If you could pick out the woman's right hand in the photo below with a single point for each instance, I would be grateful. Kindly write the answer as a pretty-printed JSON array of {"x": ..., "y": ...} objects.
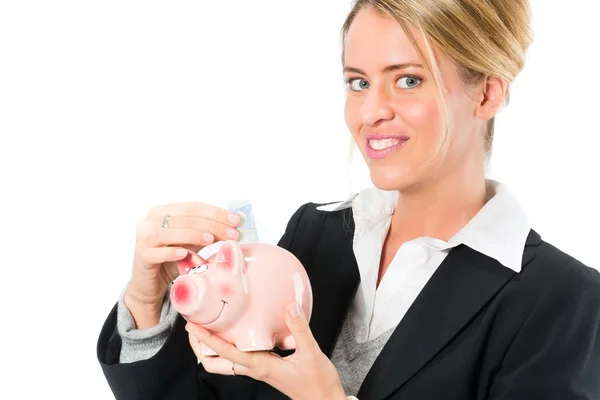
[{"x": 191, "y": 227}]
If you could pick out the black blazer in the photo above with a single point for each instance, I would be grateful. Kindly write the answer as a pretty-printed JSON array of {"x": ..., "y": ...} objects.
[{"x": 478, "y": 330}]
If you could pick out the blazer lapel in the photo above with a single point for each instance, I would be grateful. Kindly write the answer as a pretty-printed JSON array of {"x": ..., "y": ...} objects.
[
  {"x": 464, "y": 282},
  {"x": 335, "y": 278}
]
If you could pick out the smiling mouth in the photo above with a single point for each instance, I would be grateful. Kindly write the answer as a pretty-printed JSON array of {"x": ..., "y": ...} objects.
[
  {"x": 220, "y": 312},
  {"x": 378, "y": 149}
]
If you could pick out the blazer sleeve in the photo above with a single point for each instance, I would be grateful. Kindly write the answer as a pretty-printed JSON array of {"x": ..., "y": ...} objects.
[
  {"x": 174, "y": 372},
  {"x": 556, "y": 353}
]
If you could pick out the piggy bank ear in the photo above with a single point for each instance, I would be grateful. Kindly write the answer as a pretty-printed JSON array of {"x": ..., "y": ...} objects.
[
  {"x": 230, "y": 256},
  {"x": 192, "y": 260}
]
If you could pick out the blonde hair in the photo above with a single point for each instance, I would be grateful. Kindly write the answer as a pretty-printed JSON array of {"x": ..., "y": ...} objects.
[{"x": 481, "y": 37}]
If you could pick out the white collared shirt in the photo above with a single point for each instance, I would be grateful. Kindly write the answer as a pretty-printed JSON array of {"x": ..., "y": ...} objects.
[{"x": 499, "y": 230}]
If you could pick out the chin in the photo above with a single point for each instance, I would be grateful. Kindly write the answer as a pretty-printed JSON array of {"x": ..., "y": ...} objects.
[
  {"x": 396, "y": 177},
  {"x": 389, "y": 181}
]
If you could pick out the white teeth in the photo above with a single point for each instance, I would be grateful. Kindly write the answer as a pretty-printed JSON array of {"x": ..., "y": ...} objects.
[{"x": 380, "y": 144}]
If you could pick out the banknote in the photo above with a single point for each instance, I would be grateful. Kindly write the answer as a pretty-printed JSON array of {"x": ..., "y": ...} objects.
[{"x": 247, "y": 228}]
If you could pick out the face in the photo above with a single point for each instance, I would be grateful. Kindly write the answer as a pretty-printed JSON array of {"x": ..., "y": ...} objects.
[
  {"x": 391, "y": 107},
  {"x": 214, "y": 294}
]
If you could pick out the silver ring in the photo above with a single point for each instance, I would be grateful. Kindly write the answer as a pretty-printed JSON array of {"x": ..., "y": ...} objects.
[
  {"x": 165, "y": 223},
  {"x": 232, "y": 368}
]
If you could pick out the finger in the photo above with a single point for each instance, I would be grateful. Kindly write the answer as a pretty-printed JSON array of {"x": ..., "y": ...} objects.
[
  {"x": 216, "y": 364},
  {"x": 223, "y": 348},
  {"x": 223, "y": 366},
  {"x": 196, "y": 209},
  {"x": 259, "y": 365},
  {"x": 151, "y": 231},
  {"x": 220, "y": 230},
  {"x": 163, "y": 254},
  {"x": 179, "y": 237},
  {"x": 297, "y": 323}
]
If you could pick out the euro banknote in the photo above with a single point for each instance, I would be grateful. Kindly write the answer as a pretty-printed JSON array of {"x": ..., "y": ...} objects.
[{"x": 247, "y": 227}]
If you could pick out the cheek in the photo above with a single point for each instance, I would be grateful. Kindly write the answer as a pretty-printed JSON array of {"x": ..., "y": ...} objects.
[
  {"x": 422, "y": 117},
  {"x": 225, "y": 291},
  {"x": 351, "y": 116}
]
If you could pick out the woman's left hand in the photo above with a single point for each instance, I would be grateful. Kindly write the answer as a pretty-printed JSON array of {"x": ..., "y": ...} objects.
[{"x": 306, "y": 374}]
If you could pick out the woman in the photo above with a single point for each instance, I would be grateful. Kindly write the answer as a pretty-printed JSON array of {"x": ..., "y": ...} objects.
[{"x": 431, "y": 285}]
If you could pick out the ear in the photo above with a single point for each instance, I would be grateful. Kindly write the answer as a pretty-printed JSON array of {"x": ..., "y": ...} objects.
[
  {"x": 491, "y": 96},
  {"x": 230, "y": 256},
  {"x": 192, "y": 260}
]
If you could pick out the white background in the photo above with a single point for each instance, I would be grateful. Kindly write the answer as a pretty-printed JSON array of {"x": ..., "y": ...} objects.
[{"x": 110, "y": 107}]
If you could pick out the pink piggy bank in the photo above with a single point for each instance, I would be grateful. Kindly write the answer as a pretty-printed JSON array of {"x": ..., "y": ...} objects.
[{"x": 241, "y": 295}]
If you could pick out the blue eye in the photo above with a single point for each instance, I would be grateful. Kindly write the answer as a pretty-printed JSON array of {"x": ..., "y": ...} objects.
[
  {"x": 362, "y": 84},
  {"x": 411, "y": 81}
]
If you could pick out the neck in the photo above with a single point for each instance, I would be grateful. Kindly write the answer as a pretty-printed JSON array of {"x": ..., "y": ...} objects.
[{"x": 438, "y": 208}]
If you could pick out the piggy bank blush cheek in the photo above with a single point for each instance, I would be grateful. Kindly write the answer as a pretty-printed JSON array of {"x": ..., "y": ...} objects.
[
  {"x": 232, "y": 294},
  {"x": 225, "y": 291}
]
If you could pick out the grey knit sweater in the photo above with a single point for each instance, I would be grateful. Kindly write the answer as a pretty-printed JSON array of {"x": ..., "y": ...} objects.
[
  {"x": 352, "y": 360},
  {"x": 141, "y": 344}
]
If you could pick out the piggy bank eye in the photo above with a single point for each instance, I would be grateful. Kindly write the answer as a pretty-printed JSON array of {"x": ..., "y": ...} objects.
[{"x": 199, "y": 268}]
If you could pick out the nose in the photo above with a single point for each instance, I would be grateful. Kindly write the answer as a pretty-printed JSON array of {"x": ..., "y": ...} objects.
[
  {"x": 188, "y": 291},
  {"x": 376, "y": 107},
  {"x": 183, "y": 292}
]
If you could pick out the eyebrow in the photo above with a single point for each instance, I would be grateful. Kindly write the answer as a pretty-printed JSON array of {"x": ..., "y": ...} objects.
[{"x": 389, "y": 68}]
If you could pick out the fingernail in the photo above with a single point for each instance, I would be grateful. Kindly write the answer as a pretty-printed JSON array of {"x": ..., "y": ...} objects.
[
  {"x": 295, "y": 311},
  {"x": 181, "y": 252},
  {"x": 190, "y": 331},
  {"x": 207, "y": 237},
  {"x": 234, "y": 219},
  {"x": 233, "y": 233}
]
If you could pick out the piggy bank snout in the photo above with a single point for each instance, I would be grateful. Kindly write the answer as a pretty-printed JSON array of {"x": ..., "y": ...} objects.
[
  {"x": 188, "y": 290},
  {"x": 195, "y": 298},
  {"x": 183, "y": 292}
]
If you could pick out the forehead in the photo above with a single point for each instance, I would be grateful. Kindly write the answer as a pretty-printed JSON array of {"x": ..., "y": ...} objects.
[
  {"x": 376, "y": 39},
  {"x": 373, "y": 38}
]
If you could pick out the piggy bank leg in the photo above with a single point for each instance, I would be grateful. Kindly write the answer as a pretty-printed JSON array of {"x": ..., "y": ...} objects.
[
  {"x": 257, "y": 342},
  {"x": 288, "y": 343},
  {"x": 207, "y": 351}
]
